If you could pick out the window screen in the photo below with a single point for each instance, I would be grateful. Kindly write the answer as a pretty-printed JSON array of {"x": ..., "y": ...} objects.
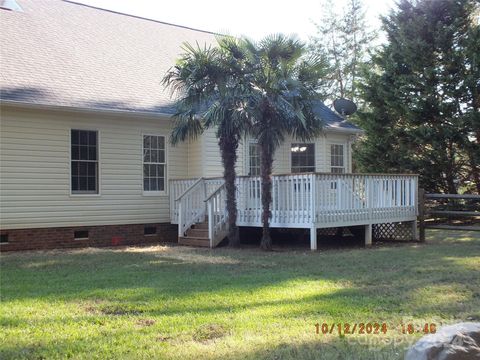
[
  {"x": 84, "y": 162},
  {"x": 337, "y": 161},
  {"x": 303, "y": 158},
  {"x": 154, "y": 163}
]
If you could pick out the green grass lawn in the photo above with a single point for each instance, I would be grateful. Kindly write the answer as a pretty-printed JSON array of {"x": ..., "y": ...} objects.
[{"x": 183, "y": 303}]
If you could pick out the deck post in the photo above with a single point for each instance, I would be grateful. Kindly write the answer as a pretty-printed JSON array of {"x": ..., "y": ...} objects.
[
  {"x": 421, "y": 213},
  {"x": 210, "y": 219},
  {"x": 414, "y": 230},
  {"x": 313, "y": 238},
  {"x": 368, "y": 235},
  {"x": 180, "y": 218},
  {"x": 204, "y": 197}
]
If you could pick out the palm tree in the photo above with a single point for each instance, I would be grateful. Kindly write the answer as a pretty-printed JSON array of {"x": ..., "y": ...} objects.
[
  {"x": 283, "y": 83},
  {"x": 209, "y": 95}
]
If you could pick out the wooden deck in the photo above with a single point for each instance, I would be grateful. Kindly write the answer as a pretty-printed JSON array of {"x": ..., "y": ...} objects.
[{"x": 310, "y": 201}]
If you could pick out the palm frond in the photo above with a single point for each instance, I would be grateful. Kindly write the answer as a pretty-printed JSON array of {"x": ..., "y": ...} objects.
[{"x": 186, "y": 126}]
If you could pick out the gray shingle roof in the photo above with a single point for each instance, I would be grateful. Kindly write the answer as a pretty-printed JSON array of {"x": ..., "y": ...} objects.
[
  {"x": 66, "y": 54},
  {"x": 332, "y": 119}
]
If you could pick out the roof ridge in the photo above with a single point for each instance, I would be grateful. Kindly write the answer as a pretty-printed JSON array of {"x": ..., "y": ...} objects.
[{"x": 140, "y": 17}]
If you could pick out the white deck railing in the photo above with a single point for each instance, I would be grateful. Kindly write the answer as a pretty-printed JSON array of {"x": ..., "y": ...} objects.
[
  {"x": 191, "y": 206},
  {"x": 217, "y": 216},
  {"x": 320, "y": 200}
]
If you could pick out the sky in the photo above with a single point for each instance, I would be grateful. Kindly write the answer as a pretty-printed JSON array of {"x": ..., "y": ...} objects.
[{"x": 252, "y": 18}]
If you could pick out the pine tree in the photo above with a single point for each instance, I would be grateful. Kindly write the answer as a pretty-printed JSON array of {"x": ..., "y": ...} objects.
[
  {"x": 342, "y": 39},
  {"x": 422, "y": 90}
]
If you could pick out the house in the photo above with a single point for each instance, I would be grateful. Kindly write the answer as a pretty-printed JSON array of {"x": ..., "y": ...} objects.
[{"x": 84, "y": 151}]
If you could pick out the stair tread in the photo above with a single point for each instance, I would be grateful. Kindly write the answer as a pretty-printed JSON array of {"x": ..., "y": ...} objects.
[
  {"x": 185, "y": 240},
  {"x": 198, "y": 238}
]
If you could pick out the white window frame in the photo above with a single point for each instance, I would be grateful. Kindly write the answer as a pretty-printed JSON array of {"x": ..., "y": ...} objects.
[
  {"x": 99, "y": 162},
  {"x": 251, "y": 142},
  {"x": 164, "y": 192},
  {"x": 314, "y": 156},
  {"x": 344, "y": 167}
]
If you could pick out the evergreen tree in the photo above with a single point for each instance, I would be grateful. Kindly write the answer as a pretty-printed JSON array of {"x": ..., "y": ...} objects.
[{"x": 422, "y": 91}]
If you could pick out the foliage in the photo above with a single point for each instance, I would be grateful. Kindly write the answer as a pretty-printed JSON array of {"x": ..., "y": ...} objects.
[
  {"x": 170, "y": 302},
  {"x": 342, "y": 40},
  {"x": 422, "y": 89},
  {"x": 282, "y": 83},
  {"x": 266, "y": 89},
  {"x": 210, "y": 95}
]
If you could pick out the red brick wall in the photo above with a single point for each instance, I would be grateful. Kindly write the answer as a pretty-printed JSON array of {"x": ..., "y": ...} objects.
[{"x": 105, "y": 235}]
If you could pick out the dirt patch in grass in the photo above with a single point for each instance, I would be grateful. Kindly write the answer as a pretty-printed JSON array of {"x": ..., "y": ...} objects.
[
  {"x": 119, "y": 310},
  {"x": 163, "y": 338},
  {"x": 145, "y": 322},
  {"x": 209, "y": 332}
]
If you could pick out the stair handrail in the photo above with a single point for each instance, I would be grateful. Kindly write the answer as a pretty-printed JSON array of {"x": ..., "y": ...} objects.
[
  {"x": 191, "y": 208},
  {"x": 215, "y": 192},
  {"x": 217, "y": 216},
  {"x": 189, "y": 188}
]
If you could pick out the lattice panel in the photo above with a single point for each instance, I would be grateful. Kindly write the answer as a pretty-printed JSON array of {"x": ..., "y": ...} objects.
[{"x": 393, "y": 231}]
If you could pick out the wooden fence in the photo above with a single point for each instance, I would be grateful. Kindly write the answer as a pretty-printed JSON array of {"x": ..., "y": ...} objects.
[{"x": 439, "y": 211}]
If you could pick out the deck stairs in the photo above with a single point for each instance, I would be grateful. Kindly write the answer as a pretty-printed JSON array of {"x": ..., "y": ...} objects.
[
  {"x": 202, "y": 216},
  {"x": 196, "y": 235}
]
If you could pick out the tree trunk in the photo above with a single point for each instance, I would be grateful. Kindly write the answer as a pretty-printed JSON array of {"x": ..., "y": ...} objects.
[
  {"x": 228, "y": 149},
  {"x": 266, "y": 172}
]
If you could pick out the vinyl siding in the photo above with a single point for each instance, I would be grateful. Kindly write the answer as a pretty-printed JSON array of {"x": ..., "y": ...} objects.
[
  {"x": 212, "y": 160},
  {"x": 205, "y": 157},
  {"x": 282, "y": 159},
  {"x": 35, "y": 170},
  {"x": 194, "y": 168}
]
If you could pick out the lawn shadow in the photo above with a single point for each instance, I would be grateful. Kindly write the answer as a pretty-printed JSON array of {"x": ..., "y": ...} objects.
[{"x": 174, "y": 275}]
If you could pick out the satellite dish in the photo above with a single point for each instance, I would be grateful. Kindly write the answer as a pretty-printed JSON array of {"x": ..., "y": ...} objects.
[
  {"x": 344, "y": 107},
  {"x": 10, "y": 5}
]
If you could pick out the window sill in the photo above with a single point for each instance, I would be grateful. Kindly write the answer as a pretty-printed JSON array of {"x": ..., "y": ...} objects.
[
  {"x": 155, "y": 193},
  {"x": 84, "y": 195}
]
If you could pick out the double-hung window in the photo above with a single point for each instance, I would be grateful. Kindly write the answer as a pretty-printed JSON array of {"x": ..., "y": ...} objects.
[
  {"x": 84, "y": 162},
  {"x": 154, "y": 163},
  {"x": 337, "y": 159},
  {"x": 303, "y": 158},
  {"x": 253, "y": 159}
]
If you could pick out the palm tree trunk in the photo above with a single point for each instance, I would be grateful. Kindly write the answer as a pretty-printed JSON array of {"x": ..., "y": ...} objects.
[
  {"x": 266, "y": 172},
  {"x": 228, "y": 149}
]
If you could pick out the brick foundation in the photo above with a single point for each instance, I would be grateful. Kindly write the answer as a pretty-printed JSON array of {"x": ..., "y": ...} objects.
[{"x": 105, "y": 235}]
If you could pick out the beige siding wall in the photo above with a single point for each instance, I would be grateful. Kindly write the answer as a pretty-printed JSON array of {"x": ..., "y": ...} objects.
[
  {"x": 204, "y": 157},
  {"x": 282, "y": 160},
  {"x": 35, "y": 170},
  {"x": 212, "y": 161},
  {"x": 195, "y": 151}
]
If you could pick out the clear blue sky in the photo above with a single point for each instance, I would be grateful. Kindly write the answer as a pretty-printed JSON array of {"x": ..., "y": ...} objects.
[{"x": 253, "y": 18}]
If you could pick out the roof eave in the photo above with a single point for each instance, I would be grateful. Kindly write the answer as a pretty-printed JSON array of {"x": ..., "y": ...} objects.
[
  {"x": 84, "y": 109},
  {"x": 329, "y": 128}
]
